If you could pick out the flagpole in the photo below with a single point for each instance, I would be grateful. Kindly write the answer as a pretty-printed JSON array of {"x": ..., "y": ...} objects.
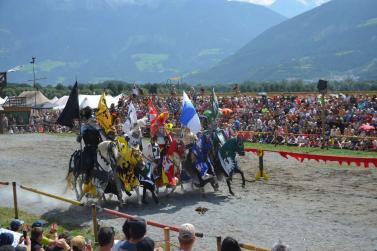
[{"x": 80, "y": 136}]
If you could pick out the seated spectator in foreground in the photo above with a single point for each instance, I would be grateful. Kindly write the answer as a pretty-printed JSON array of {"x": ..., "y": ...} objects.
[
  {"x": 146, "y": 244},
  {"x": 134, "y": 231},
  {"x": 36, "y": 239},
  {"x": 6, "y": 239},
  {"x": 7, "y": 248},
  {"x": 78, "y": 243},
  {"x": 230, "y": 244},
  {"x": 16, "y": 225},
  {"x": 106, "y": 238},
  {"x": 186, "y": 237}
]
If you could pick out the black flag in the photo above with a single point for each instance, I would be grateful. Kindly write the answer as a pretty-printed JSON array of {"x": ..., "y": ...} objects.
[
  {"x": 3, "y": 79},
  {"x": 71, "y": 110}
]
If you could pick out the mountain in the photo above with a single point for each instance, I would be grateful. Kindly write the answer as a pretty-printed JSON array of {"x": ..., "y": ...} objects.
[
  {"x": 131, "y": 40},
  {"x": 291, "y": 8},
  {"x": 336, "y": 40}
]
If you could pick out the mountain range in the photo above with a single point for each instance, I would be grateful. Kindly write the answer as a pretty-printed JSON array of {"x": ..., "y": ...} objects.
[
  {"x": 337, "y": 40},
  {"x": 132, "y": 40}
]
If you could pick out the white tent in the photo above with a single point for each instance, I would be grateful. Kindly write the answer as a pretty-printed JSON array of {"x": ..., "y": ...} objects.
[
  {"x": 87, "y": 100},
  {"x": 2, "y": 101},
  {"x": 34, "y": 98},
  {"x": 53, "y": 100}
]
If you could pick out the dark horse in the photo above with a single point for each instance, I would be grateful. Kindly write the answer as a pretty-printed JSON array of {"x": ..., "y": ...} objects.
[{"x": 223, "y": 155}]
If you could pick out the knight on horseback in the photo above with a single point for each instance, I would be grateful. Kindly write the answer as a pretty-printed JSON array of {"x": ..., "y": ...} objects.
[{"x": 90, "y": 135}]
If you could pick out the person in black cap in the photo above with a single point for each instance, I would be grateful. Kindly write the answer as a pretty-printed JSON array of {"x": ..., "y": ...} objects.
[
  {"x": 134, "y": 231},
  {"x": 16, "y": 225},
  {"x": 6, "y": 239},
  {"x": 230, "y": 244},
  {"x": 106, "y": 238}
]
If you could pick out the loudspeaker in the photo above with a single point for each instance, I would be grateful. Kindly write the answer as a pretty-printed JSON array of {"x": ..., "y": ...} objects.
[{"x": 322, "y": 85}]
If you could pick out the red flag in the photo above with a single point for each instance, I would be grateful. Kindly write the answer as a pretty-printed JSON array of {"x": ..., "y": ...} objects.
[
  {"x": 152, "y": 111},
  {"x": 152, "y": 117}
]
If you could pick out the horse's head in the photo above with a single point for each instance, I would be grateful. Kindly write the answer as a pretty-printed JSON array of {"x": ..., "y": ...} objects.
[{"x": 137, "y": 157}]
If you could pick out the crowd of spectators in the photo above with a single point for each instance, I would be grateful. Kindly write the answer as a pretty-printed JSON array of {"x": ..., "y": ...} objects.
[
  {"x": 20, "y": 237},
  {"x": 349, "y": 120}
]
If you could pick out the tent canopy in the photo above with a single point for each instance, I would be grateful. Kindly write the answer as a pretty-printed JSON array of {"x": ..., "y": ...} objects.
[{"x": 34, "y": 97}]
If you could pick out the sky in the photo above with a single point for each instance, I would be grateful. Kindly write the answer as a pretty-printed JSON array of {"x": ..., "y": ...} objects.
[{"x": 288, "y": 8}]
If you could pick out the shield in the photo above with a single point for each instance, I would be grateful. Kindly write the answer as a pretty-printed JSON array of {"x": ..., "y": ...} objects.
[{"x": 227, "y": 164}]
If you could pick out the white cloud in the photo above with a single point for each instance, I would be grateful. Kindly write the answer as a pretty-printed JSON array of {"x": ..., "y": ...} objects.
[{"x": 260, "y": 2}]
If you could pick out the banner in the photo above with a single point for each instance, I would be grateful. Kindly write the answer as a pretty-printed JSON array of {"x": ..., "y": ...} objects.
[{"x": 307, "y": 156}]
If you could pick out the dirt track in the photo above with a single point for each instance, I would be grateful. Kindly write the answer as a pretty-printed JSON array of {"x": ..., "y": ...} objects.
[{"x": 310, "y": 206}]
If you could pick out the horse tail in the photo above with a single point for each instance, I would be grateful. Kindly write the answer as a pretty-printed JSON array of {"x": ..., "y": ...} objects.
[{"x": 71, "y": 167}]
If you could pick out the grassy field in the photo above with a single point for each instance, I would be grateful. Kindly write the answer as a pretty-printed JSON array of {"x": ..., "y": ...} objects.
[
  {"x": 7, "y": 214},
  {"x": 312, "y": 150}
]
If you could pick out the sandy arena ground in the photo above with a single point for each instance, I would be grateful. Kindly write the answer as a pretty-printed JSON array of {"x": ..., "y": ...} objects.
[{"x": 310, "y": 205}]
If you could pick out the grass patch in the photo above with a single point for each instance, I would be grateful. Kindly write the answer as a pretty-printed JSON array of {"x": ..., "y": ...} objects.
[
  {"x": 312, "y": 150},
  {"x": 150, "y": 62},
  {"x": 369, "y": 22},
  {"x": 7, "y": 214}
]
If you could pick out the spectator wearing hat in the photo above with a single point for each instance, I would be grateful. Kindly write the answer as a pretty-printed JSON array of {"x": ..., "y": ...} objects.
[
  {"x": 16, "y": 225},
  {"x": 280, "y": 246},
  {"x": 106, "y": 238},
  {"x": 230, "y": 244},
  {"x": 6, "y": 239},
  {"x": 134, "y": 231},
  {"x": 186, "y": 237}
]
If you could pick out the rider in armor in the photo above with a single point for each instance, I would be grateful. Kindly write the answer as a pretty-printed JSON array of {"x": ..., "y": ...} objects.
[{"x": 90, "y": 134}]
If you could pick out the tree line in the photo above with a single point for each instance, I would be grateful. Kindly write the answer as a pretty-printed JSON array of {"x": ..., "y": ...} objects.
[{"x": 114, "y": 87}]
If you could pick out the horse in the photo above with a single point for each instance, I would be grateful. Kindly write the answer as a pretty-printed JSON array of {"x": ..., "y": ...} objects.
[
  {"x": 133, "y": 172},
  {"x": 224, "y": 157},
  {"x": 115, "y": 168},
  {"x": 197, "y": 165},
  {"x": 100, "y": 179},
  {"x": 168, "y": 171}
]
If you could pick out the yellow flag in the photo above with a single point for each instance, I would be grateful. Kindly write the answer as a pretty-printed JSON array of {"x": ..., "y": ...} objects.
[{"x": 103, "y": 115}]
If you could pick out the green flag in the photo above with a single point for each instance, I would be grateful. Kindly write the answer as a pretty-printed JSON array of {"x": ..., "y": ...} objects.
[{"x": 215, "y": 105}]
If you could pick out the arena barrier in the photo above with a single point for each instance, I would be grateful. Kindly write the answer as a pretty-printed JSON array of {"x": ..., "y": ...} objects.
[
  {"x": 307, "y": 156},
  {"x": 167, "y": 228},
  {"x": 33, "y": 190},
  {"x": 4, "y": 183},
  {"x": 15, "y": 200}
]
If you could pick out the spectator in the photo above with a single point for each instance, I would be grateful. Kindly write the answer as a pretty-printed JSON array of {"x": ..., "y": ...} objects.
[
  {"x": 36, "y": 239},
  {"x": 16, "y": 225},
  {"x": 146, "y": 244},
  {"x": 6, "y": 239},
  {"x": 106, "y": 238},
  {"x": 134, "y": 231},
  {"x": 186, "y": 237},
  {"x": 230, "y": 244},
  {"x": 7, "y": 248},
  {"x": 78, "y": 243}
]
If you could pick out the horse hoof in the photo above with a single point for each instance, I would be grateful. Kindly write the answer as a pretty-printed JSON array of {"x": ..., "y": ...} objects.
[
  {"x": 243, "y": 186},
  {"x": 231, "y": 193}
]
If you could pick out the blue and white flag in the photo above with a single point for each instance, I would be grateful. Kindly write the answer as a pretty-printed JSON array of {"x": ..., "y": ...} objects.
[{"x": 189, "y": 117}]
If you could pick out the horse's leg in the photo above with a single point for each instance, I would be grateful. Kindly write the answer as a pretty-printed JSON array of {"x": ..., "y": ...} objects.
[
  {"x": 228, "y": 182},
  {"x": 143, "y": 200},
  {"x": 138, "y": 195},
  {"x": 242, "y": 176},
  {"x": 155, "y": 198}
]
